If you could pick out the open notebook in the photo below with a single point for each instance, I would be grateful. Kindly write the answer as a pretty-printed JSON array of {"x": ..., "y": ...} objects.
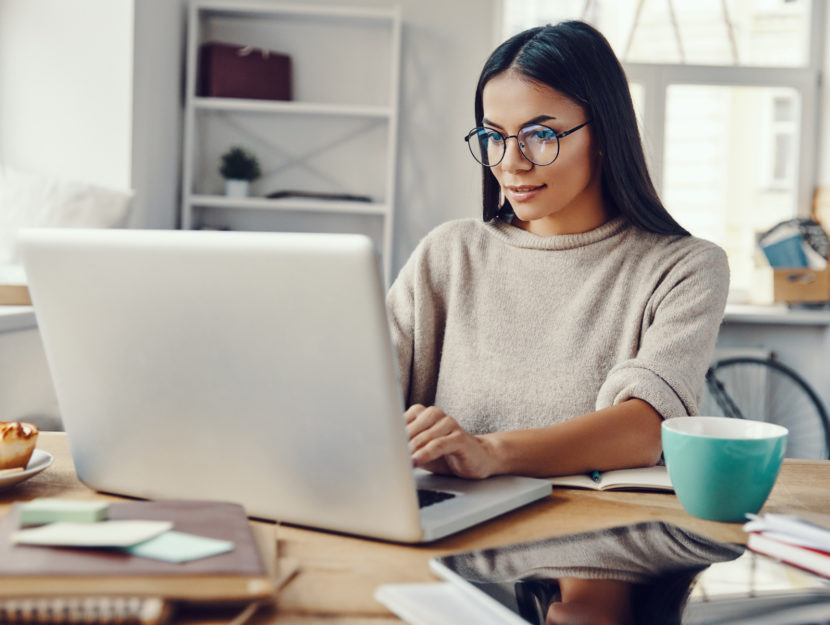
[{"x": 643, "y": 478}]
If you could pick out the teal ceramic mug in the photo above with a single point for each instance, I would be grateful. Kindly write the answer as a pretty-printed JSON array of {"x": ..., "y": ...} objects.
[{"x": 722, "y": 468}]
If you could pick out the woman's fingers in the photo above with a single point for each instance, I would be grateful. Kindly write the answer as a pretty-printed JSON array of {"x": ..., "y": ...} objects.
[
  {"x": 419, "y": 419},
  {"x": 435, "y": 428},
  {"x": 438, "y": 443},
  {"x": 413, "y": 411}
]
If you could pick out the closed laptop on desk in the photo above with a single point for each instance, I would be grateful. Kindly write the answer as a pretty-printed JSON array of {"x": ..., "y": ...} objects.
[{"x": 250, "y": 367}]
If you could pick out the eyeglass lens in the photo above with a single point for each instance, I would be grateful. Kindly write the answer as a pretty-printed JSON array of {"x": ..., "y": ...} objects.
[{"x": 538, "y": 143}]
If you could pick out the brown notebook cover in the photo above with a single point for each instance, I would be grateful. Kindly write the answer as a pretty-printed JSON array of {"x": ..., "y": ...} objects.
[{"x": 237, "y": 575}]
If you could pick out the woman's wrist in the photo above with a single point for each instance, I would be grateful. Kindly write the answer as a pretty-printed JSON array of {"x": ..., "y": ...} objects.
[{"x": 494, "y": 447}]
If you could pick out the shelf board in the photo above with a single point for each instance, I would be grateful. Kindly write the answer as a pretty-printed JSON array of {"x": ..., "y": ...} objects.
[
  {"x": 241, "y": 105},
  {"x": 779, "y": 314},
  {"x": 266, "y": 9},
  {"x": 288, "y": 204}
]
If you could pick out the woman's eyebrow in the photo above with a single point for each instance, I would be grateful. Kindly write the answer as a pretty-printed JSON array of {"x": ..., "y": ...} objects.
[{"x": 536, "y": 120}]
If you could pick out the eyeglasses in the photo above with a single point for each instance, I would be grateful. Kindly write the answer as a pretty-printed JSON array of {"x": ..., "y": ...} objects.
[{"x": 538, "y": 144}]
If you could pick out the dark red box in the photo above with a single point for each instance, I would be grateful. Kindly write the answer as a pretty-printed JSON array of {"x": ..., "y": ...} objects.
[{"x": 233, "y": 71}]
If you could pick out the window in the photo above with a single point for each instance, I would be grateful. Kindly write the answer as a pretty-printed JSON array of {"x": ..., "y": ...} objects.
[{"x": 726, "y": 92}]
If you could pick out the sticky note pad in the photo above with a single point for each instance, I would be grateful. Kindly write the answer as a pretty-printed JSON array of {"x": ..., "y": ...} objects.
[
  {"x": 102, "y": 534},
  {"x": 45, "y": 510},
  {"x": 175, "y": 546}
]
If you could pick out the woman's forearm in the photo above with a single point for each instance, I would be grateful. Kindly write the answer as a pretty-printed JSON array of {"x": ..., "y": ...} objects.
[{"x": 620, "y": 436}]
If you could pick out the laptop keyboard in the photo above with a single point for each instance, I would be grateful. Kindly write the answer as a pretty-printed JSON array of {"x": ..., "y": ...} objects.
[{"x": 429, "y": 497}]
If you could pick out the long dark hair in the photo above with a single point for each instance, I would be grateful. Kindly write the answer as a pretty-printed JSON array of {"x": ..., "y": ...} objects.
[{"x": 576, "y": 60}]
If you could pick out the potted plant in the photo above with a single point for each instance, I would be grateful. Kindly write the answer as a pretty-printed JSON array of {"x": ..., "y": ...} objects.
[{"x": 238, "y": 168}]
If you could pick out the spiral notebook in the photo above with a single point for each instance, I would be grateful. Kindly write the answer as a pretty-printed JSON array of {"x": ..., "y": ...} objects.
[{"x": 118, "y": 610}]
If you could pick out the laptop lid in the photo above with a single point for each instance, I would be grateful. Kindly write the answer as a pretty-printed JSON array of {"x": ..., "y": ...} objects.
[
  {"x": 246, "y": 366},
  {"x": 228, "y": 365}
]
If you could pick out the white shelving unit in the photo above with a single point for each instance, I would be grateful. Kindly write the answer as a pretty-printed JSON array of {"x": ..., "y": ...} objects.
[{"x": 338, "y": 135}]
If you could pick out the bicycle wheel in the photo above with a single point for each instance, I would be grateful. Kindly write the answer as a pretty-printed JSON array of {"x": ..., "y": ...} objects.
[{"x": 766, "y": 390}]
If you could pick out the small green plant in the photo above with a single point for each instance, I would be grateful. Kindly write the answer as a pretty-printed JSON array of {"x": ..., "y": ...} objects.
[{"x": 239, "y": 164}]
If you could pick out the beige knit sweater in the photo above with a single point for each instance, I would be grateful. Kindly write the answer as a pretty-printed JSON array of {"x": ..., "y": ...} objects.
[{"x": 504, "y": 330}]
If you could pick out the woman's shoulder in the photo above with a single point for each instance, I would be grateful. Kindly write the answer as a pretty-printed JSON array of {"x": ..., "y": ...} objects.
[
  {"x": 441, "y": 248},
  {"x": 671, "y": 259},
  {"x": 455, "y": 229},
  {"x": 675, "y": 247},
  {"x": 448, "y": 236}
]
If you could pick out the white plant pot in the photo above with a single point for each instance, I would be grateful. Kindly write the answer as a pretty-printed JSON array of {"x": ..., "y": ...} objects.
[{"x": 237, "y": 188}]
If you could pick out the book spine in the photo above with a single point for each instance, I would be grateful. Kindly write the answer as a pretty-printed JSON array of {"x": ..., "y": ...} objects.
[{"x": 810, "y": 560}]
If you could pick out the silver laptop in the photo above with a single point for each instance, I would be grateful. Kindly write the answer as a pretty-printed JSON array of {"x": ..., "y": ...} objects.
[{"x": 242, "y": 366}]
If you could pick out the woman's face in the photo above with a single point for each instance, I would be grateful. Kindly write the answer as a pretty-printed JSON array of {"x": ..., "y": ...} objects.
[{"x": 565, "y": 196}]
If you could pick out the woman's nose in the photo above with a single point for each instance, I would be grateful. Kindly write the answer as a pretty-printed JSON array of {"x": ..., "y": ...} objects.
[{"x": 514, "y": 159}]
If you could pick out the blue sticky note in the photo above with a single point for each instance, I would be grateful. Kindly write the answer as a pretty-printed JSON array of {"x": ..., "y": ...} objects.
[{"x": 172, "y": 546}]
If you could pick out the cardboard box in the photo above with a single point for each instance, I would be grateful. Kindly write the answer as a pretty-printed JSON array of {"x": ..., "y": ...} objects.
[
  {"x": 233, "y": 71},
  {"x": 801, "y": 285}
]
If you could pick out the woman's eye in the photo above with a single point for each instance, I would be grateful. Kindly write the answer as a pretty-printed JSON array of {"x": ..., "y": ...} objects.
[
  {"x": 543, "y": 134},
  {"x": 495, "y": 138}
]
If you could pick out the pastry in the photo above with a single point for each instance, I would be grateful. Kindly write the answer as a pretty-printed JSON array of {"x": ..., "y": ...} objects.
[{"x": 17, "y": 442}]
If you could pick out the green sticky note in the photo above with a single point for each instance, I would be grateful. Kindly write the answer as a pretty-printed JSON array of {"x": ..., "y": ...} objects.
[
  {"x": 45, "y": 510},
  {"x": 172, "y": 546}
]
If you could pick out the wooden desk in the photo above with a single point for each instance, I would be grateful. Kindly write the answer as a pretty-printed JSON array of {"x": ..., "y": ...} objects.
[{"x": 338, "y": 574}]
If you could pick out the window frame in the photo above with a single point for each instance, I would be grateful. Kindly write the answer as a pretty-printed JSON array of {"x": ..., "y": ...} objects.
[{"x": 655, "y": 79}]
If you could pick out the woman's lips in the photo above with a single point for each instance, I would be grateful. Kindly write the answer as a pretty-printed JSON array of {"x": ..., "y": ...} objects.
[{"x": 523, "y": 193}]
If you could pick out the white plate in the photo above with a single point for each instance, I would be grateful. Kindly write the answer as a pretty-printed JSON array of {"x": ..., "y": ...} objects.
[{"x": 38, "y": 462}]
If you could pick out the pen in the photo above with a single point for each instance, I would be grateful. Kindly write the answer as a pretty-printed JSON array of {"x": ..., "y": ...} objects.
[{"x": 595, "y": 475}]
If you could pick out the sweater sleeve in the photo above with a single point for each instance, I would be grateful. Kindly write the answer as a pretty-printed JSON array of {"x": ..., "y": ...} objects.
[
  {"x": 400, "y": 310},
  {"x": 416, "y": 323},
  {"x": 680, "y": 326}
]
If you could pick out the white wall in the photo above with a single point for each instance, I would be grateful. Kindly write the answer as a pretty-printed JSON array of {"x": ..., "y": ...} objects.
[
  {"x": 824, "y": 112},
  {"x": 158, "y": 101},
  {"x": 90, "y": 90},
  {"x": 66, "y": 88},
  {"x": 445, "y": 45}
]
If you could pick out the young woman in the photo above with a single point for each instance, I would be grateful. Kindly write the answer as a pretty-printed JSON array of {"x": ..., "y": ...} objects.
[{"x": 553, "y": 336}]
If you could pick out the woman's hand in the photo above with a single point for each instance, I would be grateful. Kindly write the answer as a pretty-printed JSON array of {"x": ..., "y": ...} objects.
[{"x": 440, "y": 445}]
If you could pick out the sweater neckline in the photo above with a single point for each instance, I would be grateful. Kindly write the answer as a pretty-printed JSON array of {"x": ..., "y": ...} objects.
[{"x": 518, "y": 237}]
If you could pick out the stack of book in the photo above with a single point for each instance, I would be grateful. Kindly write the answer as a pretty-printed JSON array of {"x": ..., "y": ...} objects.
[
  {"x": 797, "y": 541},
  {"x": 53, "y": 570}
]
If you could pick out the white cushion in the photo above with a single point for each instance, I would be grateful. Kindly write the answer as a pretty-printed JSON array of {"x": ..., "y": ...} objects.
[{"x": 29, "y": 199}]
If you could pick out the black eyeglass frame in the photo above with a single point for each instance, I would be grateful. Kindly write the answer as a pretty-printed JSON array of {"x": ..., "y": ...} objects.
[{"x": 558, "y": 136}]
